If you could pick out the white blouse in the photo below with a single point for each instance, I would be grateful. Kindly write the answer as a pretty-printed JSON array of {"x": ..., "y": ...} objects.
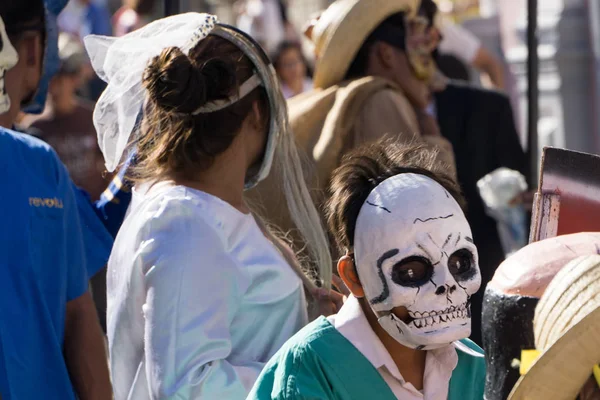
[{"x": 198, "y": 298}]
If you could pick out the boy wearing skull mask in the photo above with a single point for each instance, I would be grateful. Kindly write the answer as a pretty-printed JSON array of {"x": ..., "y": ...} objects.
[{"x": 411, "y": 266}]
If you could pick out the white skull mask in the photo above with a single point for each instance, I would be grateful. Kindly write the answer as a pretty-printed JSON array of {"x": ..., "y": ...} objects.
[
  {"x": 8, "y": 59},
  {"x": 413, "y": 248}
]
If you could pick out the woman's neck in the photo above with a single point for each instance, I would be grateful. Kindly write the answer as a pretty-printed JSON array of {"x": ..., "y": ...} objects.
[
  {"x": 224, "y": 179},
  {"x": 410, "y": 362}
]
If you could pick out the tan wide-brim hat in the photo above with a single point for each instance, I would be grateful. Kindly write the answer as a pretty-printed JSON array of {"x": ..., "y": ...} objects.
[
  {"x": 342, "y": 29},
  {"x": 567, "y": 332}
]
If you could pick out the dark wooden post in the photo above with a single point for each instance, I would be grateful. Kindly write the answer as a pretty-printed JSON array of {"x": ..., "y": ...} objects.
[{"x": 532, "y": 91}]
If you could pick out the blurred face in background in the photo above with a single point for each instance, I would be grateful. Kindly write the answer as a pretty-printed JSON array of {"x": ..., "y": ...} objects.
[
  {"x": 63, "y": 89},
  {"x": 65, "y": 84},
  {"x": 75, "y": 69},
  {"x": 291, "y": 67}
]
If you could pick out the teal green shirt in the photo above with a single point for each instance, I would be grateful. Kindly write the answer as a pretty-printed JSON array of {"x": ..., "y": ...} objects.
[{"x": 319, "y": 363}]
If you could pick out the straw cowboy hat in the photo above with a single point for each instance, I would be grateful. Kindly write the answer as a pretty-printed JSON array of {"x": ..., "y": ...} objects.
[
  {"x": 567, "y": 333},
  {"x": 340, "y": 31}
]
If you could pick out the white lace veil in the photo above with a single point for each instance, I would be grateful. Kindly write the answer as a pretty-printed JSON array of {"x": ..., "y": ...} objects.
[{"x": 121, "y": 61}]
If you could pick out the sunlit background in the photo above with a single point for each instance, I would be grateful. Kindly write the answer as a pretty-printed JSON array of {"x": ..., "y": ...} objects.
[{"x": 569, "y": 51}]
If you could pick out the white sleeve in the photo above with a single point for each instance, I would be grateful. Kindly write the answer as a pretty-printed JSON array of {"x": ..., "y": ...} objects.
[
  {"x": 459, "y": 42},
  {"x": 193, "y": 290}
]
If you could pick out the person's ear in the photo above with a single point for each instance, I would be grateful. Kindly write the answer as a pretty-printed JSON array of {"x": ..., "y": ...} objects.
[
  {"x": 385, "y": 54},
  {"x": 347, "y": 272},
  {"x": 256, "y": 118}
]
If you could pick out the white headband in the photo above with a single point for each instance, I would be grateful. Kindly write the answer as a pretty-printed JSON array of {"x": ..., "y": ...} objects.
[{"x": 245, "y": 89}]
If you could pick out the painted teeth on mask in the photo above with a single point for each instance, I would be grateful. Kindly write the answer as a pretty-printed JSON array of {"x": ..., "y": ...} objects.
[
  {"x": 449, "y": 310},
  {"x": 423, "y": 319}
]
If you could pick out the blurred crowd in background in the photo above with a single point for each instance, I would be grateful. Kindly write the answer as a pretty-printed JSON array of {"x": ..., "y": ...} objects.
[{"x": 67, "y": 121}]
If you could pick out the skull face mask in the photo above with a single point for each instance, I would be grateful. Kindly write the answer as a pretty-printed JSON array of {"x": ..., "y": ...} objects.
[
  {"x": 8, "y": 59},
  {"x": 413, "y": 248}
]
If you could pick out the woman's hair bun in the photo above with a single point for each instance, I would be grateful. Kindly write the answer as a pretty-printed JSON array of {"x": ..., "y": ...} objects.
[{"x": 176, "y": 83}]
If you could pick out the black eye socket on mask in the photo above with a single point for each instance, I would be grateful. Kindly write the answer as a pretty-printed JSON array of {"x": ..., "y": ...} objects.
[
  {"x": 413, "y": 271},
  {"x": 461, "y": 265}
]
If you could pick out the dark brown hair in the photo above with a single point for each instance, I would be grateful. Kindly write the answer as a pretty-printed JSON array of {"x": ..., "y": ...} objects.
[
  {"x": 391, "y": 31},
  {"x": 21, "y": 16},
  {"x": 173, "y": 141},
  {"x": 428, "y": 9},
  {"x": 365, "y": 168}
]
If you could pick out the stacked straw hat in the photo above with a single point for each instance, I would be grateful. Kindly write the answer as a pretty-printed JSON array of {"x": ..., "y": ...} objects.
[
  {"x": 342, "y": 29},
  {"x": 567, "y": 333}
]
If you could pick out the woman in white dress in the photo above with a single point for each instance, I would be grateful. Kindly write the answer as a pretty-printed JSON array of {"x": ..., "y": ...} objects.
[{"x": 199, "y": 295}]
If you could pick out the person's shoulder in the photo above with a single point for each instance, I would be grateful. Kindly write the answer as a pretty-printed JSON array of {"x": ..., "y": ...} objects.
[
  {"x": 308, "y": 344},
  {"x": 177, "y": 204},
  {"x": 386, "y": 101},
  {"x": 297, "y": 361},
  {"x": 468, "y": 378},
  {"x": 386, "y": 93},
  {"x": 19, "y": 141},
  {"x": 167, "y": 223},
  {"x": 314, "y": 335},
  {"x": 174, "y": 215},
  {"x": 469, "y": 348},
  {"x": 477, "y": 93},
  {"x": 471, "y": 359},
  {"x": 26, "y": 150},
  {"x": 384, "y": 97}
]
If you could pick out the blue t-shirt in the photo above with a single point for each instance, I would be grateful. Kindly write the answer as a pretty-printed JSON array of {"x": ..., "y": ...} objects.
[
  {"x": 43, "y": 266},
  {"x": 113, "y": 204},
  {"x": 101, "y": 220},
  {"x": 97, "y": 240}
]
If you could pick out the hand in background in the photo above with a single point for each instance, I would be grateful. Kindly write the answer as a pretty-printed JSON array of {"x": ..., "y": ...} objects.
[{"x": 428, "y": 124}]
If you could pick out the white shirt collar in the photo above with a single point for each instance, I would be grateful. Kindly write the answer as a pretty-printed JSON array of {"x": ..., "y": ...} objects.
[{"x": 352, "y": 323}]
